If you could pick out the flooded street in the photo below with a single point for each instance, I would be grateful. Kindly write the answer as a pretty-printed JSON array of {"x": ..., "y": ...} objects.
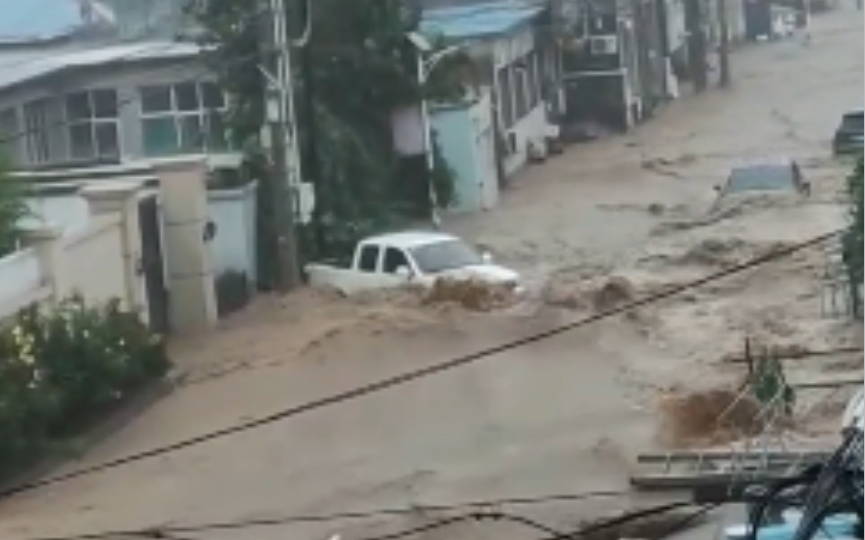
[{"x": 563, "y": 415}]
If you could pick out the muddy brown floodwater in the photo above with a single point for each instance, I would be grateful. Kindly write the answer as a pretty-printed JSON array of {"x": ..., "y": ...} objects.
[{"x": 564, "y": 415}]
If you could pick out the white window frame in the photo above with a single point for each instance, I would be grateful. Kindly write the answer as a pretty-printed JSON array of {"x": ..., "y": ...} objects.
[
  {"x": 203, "y": 113},
  {"x": 93, "y": 123},
  {"x": 36, "y": 137}
]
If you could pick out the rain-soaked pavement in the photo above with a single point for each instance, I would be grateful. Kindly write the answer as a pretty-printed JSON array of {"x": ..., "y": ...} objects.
[{"x": 562, "y": 416}]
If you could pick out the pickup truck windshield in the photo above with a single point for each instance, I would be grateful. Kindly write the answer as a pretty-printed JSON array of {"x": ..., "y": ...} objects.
[{"x": 442, "y": 256}]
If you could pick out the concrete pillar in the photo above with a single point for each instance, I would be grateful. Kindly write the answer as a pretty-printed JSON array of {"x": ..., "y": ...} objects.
[
  {"x": 191, "y": 282},
  {"x": 47, "y": 242},
  {"x": 121, "y": 198}
]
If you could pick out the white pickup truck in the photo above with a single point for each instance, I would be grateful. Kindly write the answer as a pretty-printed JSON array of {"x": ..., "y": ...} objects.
[{"x": 394, "y": 260}]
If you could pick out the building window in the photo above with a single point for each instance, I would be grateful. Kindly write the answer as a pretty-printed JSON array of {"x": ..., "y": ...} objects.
[
  {"x": 535, "y": 83},
  {"x": 36, "y": 131},
  {"x": 506, "y": 97},
  {"x": 92, "y": 124},
  {"x": 521, "y": 85},
  {"x": 182, "y": 118},
  {"x": 9, "y": 134}
]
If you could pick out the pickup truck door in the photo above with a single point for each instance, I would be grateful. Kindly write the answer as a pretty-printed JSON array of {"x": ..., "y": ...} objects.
[
  {"x": 374, "y": 267},
  {"x": 391, "y": 261}
]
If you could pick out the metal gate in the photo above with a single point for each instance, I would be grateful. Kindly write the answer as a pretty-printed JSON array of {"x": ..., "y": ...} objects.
[{"x": 152, "y": 264}]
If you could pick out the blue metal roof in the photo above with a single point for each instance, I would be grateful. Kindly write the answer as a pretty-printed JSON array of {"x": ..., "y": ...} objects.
[
  {"x": 478, "y": 20},
  {"x": 23, "y": 20}
]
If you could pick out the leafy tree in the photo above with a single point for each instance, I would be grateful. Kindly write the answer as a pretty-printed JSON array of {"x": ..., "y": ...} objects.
[
  {"x": 853, "y": 237},
  {"x": 362, "y": 67},
  {"x": 12, "y": 209}
]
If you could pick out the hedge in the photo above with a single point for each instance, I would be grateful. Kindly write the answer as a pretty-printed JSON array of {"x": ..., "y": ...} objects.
[{"x": 64, "y": 368}]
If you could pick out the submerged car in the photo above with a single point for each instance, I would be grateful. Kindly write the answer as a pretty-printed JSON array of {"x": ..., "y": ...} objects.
[
  {"x": 779, "y": 176},
  {"x": 769, "y": 175},
  {"x": 849, "y": 135}
]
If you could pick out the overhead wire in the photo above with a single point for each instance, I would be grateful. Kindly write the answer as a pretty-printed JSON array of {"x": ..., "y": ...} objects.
[
  {"x": 624, "y": 519},
  {"x": 533, "y": 524},
  {"x": 288, "y": 520},
  {"x": 422, "y": 373},
  {"x": 526, "y": 522}
]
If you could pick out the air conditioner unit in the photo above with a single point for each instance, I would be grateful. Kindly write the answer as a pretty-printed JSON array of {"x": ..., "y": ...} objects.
[{"x": 608, "y": 44}]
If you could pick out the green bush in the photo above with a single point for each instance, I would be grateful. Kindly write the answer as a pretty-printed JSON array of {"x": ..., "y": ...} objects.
[
  {"x": 13, "y": 208},
  {"x": 62, "y": 369}
]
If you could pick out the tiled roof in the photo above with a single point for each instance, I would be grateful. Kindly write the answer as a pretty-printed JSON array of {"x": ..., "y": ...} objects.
[
  {"x": 23, "y": 20},
  {"x": 478, "y": 20},
  {"x": 20, "y": 67}
]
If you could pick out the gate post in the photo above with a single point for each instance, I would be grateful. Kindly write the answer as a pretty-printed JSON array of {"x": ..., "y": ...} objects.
[
  {"x": 191, "y": 283},
  {"x": 121, "y": 198}
]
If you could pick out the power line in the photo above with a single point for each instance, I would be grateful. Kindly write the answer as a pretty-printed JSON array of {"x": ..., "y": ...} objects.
[
  {"x": 348, "y": 516},
  {"x": 440, "y": 524},
  {"x": 411, "y": 376},
  {"x": 619, "y": 521},
  {"x": 580, "y": 533},
  {"x": 529, "y": 523}
]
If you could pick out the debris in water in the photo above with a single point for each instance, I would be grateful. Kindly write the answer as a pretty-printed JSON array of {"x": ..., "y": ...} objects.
[
  {"x": 715, "y": 415},
  {"x": 471, "y": 294},
  {"x": 613, "y": 294}
]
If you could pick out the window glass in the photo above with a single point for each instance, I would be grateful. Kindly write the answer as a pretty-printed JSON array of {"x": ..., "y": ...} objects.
[
  {"x": 78, "y": 106},
  {"x": 81, "y": 141},
  {"x": 505, "y": 95},
  {"x": 9, "y": 133},
  {"x": 212, "y": 96},
  {"x": 155, "y": 99},
  {"x": 35, "y": 121},
  {"x": 534, "y": 79},
  {"x": 522, "y": 99},
  {"x": 445, "y": 255},
  {"x": 107, "y": 143},
  {"x": 191, "y": 134},
  {"x": 394, "y": 259},
  {"x": 217, "y": 134},
  {"x": 186, "y": 96},
  {"x": 104, "y": 103},
  {"x": 368, "y": 259},
  {"x": 160, "y": 136}
]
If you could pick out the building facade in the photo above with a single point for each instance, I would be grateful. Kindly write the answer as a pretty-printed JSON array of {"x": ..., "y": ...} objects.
[
  {"x": 515, "y": 65},
  {"x": 81, "y": 106}
]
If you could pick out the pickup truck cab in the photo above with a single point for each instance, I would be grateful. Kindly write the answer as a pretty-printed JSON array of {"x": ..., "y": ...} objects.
[{"x": 394, "y": 260}]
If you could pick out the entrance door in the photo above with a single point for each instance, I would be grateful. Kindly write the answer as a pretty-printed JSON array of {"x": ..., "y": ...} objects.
[{"x": 152, "y": 265}]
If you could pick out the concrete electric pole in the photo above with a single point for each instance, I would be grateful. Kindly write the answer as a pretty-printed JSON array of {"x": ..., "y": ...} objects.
[
  {"x": 282, "y": 128},
  {"x": 723, "y": 45}
]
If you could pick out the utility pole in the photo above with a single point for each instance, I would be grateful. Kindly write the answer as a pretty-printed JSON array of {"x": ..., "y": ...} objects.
[
  {"x": 723, "y": 45},
  {"x": 283, "y": 140},
  {"x": 311, "y": 163}
]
